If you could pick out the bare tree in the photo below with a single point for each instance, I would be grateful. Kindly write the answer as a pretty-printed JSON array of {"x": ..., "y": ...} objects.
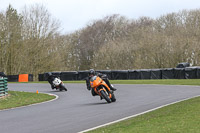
[
  {"x": 39, "y": 33},
  {"x": 11, "y": 40}
]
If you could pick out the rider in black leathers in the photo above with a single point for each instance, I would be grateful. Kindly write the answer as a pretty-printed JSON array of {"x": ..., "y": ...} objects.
[
  {"x": 51, "y": 78},
  {"x": 103, "y": 76}
]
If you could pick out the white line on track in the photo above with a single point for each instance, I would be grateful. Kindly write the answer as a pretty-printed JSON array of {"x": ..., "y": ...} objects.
[
  {"x": 35, "y": 103},
  {"x": 87, "y": 130}
]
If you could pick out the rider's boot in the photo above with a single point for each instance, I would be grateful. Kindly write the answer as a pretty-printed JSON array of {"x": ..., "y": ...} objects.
[
  {"x": 52, "y": 86},
  {"x": 101, "y": 97},
  {"x": 112, "y": 88},
  {"x": 110, "y": 85}
]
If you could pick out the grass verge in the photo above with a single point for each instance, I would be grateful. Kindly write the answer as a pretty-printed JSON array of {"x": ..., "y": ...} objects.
[
  {"x": 181, "y": 117},
  {"x": 17, "y": 99}
]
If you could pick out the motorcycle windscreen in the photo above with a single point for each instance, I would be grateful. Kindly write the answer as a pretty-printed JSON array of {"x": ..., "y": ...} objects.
[{"x": 95, "y": 81}]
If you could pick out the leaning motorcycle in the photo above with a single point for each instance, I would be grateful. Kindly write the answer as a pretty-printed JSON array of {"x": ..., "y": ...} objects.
[
  {"x": 59, "y": 85},
  {"x": 102, "y": 89}
]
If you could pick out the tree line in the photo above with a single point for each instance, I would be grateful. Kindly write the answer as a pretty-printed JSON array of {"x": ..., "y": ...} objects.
[{"x": 31, "y": 42}]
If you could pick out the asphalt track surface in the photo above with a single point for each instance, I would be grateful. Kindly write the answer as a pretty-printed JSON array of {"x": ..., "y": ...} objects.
[{"x": 77, "y": 110}]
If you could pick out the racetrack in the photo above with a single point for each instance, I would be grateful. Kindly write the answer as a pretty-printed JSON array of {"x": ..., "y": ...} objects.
[{"x": 77, "y": 110}]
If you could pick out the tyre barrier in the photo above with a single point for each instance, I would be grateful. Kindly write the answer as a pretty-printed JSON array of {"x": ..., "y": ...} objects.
[
  {"x": 164, "y": 73},
  {"x": 3, "y": 86}
]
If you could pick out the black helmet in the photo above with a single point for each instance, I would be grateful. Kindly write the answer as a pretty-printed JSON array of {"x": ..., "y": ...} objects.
[{"x": 91, "y": 72}]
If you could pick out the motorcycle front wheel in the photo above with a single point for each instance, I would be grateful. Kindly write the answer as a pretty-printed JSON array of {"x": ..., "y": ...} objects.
[
  {"x": 62, "y": 87},
  {"x": 105, "y": 96}
]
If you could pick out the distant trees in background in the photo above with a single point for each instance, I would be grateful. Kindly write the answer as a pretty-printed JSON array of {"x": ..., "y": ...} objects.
[
  {"x": 31, "y": 42},
  {"x": 116, "y": 42}
]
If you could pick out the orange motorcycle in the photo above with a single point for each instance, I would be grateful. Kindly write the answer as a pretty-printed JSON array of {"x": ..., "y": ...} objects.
[{"x": 102, "y": 89}]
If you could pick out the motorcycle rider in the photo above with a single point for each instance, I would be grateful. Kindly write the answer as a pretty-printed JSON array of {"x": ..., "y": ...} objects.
[
  {"x": 103, "y": 76},
  {"x": 51, "y": 78}
]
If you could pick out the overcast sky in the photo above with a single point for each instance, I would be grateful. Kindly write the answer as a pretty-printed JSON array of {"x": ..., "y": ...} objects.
[{"x": 76, "y": 14}]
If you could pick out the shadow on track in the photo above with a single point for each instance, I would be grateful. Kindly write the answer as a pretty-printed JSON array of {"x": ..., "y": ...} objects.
[
  {"x": 54, "y": 91},
  {"x": 92, "y": 104}
]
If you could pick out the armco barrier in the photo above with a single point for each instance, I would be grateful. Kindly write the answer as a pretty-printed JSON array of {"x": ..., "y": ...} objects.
[
  {"x": 191, "y": 73},
  {"x": 145, "y": 73},
  {"x": 107, "y": 72},
  {"x": 82, "y": 75},
  {"x": 167, "y": 73},
  {"x": 3, "y": 86},
  {"x": 69, "y": 75},
  {"x": 164, "y": 73},
  {"x": 179, "y": 73},
  {"x": 156, "y": 74},
  {"x": 13, "y": 78},
  {"x": 198, "y": 73},
  {"x": 134, "y": 74},
  {"x": 119, "y": 74}
]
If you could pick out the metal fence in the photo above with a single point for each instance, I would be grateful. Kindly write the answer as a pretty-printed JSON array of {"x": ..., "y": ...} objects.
[{"x": 3, "y": 86}]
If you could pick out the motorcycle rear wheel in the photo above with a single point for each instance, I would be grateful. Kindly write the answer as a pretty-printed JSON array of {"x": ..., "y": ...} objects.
[{"x": 113, "y": 99}]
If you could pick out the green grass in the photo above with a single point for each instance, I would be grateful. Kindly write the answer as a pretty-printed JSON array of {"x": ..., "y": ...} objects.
[
  {"x": 183, "y": 117},
  {"x": 17, "y": 99}
]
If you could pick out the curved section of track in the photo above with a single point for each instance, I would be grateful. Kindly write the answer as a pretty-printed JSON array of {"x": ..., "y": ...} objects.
[{"x": 77, "y": 110}]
